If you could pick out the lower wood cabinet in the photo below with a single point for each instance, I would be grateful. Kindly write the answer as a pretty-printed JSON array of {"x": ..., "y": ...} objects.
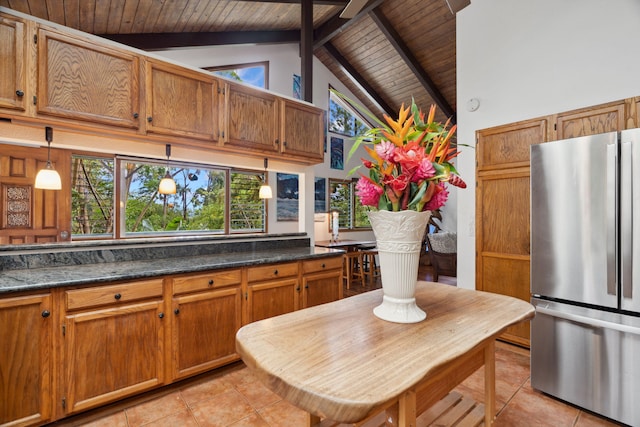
[
  {"x": 113, "y": 341},
  {"x": 206, "y": 314},
  {"x": 26, "y": 325},
  {"x": 71, "y": 349},
  {"x": 271, "y": 290},
  {"x": 319, "y": 278}
]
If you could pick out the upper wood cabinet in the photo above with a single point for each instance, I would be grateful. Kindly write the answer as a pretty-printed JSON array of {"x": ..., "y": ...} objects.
[
  {"x": 83, "y": 80},
  {"x": 508, "y": 146},
  {"x": 26, "y": 360},
  {"x": 302, "y": 130},
  {"x": 270, "y": 125},
  {"x": 13, "y": 84},
  {"x": 181, "y": 102},
  {"x": 251, "y": 119},
  {"x": 590, "y": 121}
]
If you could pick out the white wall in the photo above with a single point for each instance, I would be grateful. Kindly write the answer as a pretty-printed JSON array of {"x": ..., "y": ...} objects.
[
  {"x": 284, "y": 61},
  {"x": 523, "y": 59}
]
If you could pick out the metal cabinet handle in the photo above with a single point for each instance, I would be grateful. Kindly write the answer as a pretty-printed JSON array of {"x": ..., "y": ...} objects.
[
  {"x": 210, "y": 282},
  {"x": 323, "y": 265},
  {"x": 46, "y": 313},
  {"x": 20, "y": 93},
  {"x": 275, "y": 272},
  {"x": 149, "y": 119},
  {"x": 176, "y": 311},
  {"x": 117, "y": 296},
  {"x": 161, "y": 315},
  {"x": 135, "y": 115}
]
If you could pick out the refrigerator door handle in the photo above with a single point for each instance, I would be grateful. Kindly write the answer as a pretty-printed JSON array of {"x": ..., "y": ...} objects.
[
  {"x": 588, "y": 321},
  {"x": 612, "y": 200},
  {"x": 626, "y": 218}
]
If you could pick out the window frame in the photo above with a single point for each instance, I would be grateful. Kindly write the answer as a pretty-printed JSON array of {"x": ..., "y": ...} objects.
[
  {"x": 119, "y": 204},
  {"x": 354, "y": 207},
  {"x": 264, "y": 64}
]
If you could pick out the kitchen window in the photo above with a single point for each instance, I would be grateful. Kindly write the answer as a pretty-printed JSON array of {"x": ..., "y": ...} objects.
[
  {"x": 208, "y": 199},
  {"x": 342, "y": 199}
]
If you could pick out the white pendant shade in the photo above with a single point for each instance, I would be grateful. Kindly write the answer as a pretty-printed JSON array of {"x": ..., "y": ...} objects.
[
  {"x": 167, "y": 185},
  {"x": 265, "y": 192},
  {"x": 48, "y": 179}
]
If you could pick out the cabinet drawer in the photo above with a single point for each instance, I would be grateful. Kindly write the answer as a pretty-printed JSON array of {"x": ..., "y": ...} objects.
[
  {"x": 272, "y": 271},
  {"x": 103, "y": 295},
  {"x": 322, "y": 264},
  {"x": 211, "y": 280}
]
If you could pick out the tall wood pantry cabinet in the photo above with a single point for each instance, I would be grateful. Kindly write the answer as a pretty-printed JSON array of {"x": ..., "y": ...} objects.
[{"x": 503, "y": 194}]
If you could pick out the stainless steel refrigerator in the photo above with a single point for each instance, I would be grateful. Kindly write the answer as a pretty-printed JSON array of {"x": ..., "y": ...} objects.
[{"x": 585, "y": 272}]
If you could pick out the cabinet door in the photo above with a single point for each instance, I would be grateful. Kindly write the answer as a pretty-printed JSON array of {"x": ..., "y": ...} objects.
[
  {"x": 112, "y": 353},
  {"x": 590, "y": 121},
  {"x": 204, "y": 330},
  {"x": 320, "y": 288},
  {"x": 302, "y": 130},
  {"x": 272, "y": 298},
  {"x": 503, "y": 240},
  {"x": 82, "y": 80},
  {"x": 13, "y": 83},
  {"x": 27, "y": 214},
  {"x": 25, "y": 360},
  {"x": 181, "y": 102},
  {"x": 251, "y": 119}
]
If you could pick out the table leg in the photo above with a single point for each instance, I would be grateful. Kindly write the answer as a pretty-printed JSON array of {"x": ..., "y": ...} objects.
[
  {"x": 489, "y": 383},
  {"x": 407, "y": 409}
]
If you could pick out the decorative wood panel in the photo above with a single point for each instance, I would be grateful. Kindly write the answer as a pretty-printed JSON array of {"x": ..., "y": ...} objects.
[{"x": 29, "y": 215}]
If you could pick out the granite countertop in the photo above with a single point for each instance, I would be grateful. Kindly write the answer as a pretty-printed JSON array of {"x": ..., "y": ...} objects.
[{"x": 49, "y": 277}]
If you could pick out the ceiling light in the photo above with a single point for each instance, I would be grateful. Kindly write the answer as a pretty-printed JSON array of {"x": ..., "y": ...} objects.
[
  {"x": 167, "y": 184},
  {"x": 265, "y": 190},
  {"x": 48, "y": 178}
]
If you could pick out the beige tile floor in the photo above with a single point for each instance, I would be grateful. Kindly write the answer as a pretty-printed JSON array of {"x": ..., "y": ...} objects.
[{"x": 233, "y": 397}]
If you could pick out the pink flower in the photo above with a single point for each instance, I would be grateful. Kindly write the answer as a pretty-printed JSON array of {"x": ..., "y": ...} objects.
[
  {"x": 368, "y": 192},
  {"x": 425, "y": 171},
  {"x": 438, "y": 199},
  {"x": 385, "y": 150},
  {"x": 409, "y": 156}
]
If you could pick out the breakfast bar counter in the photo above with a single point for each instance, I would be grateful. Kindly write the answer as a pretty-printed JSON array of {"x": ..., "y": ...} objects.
[{"x": 339, "y": 362}]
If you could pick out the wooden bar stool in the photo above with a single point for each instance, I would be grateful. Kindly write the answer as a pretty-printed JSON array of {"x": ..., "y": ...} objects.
[
  {"x": 352, "y": 270},
  {"x": 370, "y": 265}
]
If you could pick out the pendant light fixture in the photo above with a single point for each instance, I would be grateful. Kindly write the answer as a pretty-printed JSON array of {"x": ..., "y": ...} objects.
[
  {"x": 265, "y": 190},
  {"x": 48, "y": 178},
  {"x": 167, "y": 184}
]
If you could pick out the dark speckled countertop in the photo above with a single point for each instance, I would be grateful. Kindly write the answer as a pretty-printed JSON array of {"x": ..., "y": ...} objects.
[{"x": 76, "y": 268}]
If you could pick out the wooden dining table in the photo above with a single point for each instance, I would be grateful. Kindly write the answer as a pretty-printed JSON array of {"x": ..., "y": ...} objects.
[
  {"x": 346, "y": 244},
  {"x": 339, "y": 362}
]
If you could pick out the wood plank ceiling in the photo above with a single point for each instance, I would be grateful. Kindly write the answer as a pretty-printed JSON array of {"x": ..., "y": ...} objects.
[{"x": 391, "y": 51}]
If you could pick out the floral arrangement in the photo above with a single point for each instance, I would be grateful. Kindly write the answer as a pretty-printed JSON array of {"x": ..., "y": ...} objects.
[{"x": 410, "y": 162}]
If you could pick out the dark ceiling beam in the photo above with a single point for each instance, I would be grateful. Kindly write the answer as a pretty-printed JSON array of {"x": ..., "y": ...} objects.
[
  {"x": 306, "y": 50},
  {"x": 318, "y": 2},
  {"x": 359, "y": 80},
  {"x": 335, "y": 25},
  {"x": 158, "y": 41},
  {"x": 396, "y": 41}
]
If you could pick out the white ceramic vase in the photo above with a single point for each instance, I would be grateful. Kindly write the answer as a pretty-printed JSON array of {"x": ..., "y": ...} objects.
[{"x": 399, "y": 241}]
